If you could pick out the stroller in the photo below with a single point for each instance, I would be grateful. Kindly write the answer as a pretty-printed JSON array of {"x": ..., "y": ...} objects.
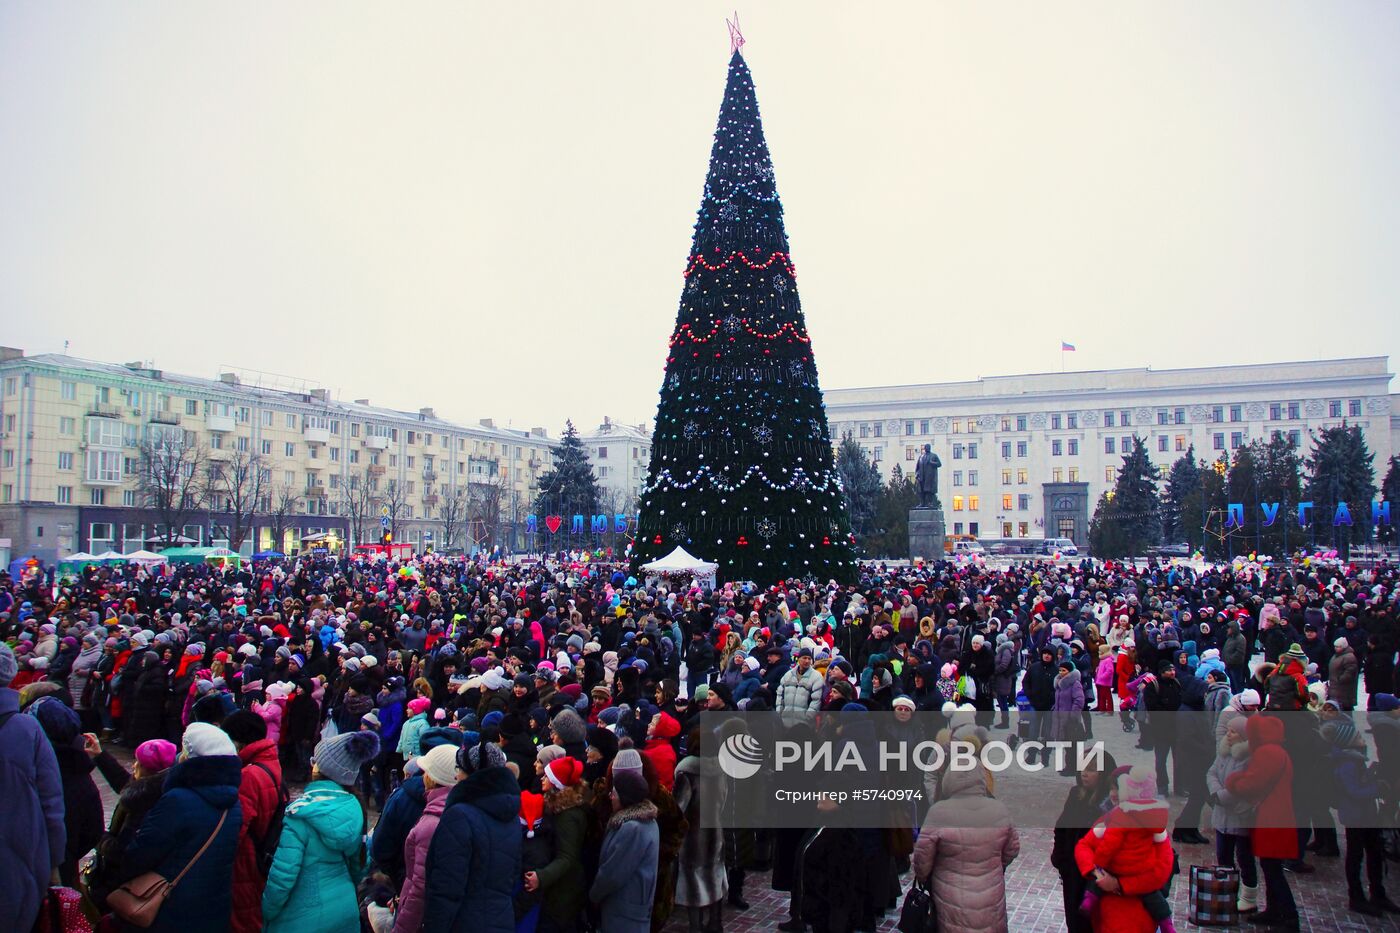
[
  {"x": 1127, "y": 713},
  {"x": 1023, "y": 720}
]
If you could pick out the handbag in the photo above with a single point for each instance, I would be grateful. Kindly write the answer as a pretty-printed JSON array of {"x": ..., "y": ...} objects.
[
  {"x": 62, "y": 912},
  {"x": 139, "y": 901},
  {"x": 1212, "y": 895},
  {"x": 919, "y": 913}
]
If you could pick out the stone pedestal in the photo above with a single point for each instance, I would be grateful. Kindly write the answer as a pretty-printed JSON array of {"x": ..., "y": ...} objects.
[{"x": 926, "y": 534}]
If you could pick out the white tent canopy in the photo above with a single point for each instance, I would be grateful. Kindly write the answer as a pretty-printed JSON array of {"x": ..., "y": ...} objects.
[
  {"x": 145, "y": 557},
  {"x": 76, "y": 558},
  {"x": 681, "y": 561},
  {"x": 109, "y": 555}
]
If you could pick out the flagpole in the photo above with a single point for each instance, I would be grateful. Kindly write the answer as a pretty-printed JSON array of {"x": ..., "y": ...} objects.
[{"x": 1062, "y": 356}]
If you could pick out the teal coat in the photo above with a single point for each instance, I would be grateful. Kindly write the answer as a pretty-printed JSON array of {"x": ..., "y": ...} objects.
[{"x": 311, "y": 888}]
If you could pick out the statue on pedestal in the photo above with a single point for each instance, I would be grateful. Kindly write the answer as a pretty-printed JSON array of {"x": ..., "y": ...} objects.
[{"x": 926, "y": 477}]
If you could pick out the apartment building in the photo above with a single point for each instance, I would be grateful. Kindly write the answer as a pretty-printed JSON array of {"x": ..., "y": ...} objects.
[
  {"x": 621, "y": 456},
  {"x": 73, "y": 431},
  {"x": 1029, "y": 455}
]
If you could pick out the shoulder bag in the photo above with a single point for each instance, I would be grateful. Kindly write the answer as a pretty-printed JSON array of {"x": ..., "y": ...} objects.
[{"x": 139, "y": 901}]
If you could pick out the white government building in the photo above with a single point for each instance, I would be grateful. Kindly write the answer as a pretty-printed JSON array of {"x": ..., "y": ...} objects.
[
  {"x": 620, "y": 455},
  {"x": 1028, "y": 456}
]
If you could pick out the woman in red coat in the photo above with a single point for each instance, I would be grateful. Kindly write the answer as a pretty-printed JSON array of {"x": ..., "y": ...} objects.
[
  {"x": 260, "y": 797},
  {"x": 1267, "y": 782}
]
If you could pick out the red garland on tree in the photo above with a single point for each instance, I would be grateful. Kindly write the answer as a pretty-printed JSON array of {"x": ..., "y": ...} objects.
[{"x": 742, "y": 467}]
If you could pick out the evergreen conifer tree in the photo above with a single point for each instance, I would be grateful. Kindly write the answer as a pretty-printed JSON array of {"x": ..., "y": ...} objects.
[
  {"x": 742, "y": 469},
  {"x": 569, "y": 488},
  {"x": 1340, "y": 469}
]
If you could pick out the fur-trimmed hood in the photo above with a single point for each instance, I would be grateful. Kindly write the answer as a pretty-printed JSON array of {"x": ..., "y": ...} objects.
[
  {"x": 641, "y": 812},
  {"x": 562, "y": 800}
]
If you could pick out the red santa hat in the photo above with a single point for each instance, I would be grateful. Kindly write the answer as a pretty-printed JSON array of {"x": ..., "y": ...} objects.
[{"x": 564, "y": 773}]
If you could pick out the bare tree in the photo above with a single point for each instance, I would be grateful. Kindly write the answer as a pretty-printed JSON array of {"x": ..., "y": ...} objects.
[
  {"x": 485, "y": 505},
  {"x": 285, "y": 503},
  {"x": 452, "y": 513},
  {"x": 358, "y": 499},
  {"x": 237, "y": 487},
  {"x": 171, "y": 482},
  {"x": 395, "y": 499}
]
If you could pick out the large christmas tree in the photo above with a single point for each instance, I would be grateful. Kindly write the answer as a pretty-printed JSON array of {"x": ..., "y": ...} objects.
[{"x": 742, "y": 469}]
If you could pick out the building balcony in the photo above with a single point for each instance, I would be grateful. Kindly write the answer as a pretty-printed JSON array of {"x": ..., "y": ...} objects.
[
  {"x": 164, "y": 417},
  {"x": 103, "y": 410},
  {"x": 429, "y": 476},
  {"x": 220, "y": 453},
  {"x": 315, "y": 492},
  {"x": 430, "y": 499},
  {"x": 375, "y": 442},
  {"x": 375, "y": 469},
  {"x": 317, "y": 435},
  {"x": 315, "y": 464},
  {"x": 222, "y": 423}
]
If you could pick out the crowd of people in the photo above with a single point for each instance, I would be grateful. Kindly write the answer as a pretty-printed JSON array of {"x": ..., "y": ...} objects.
[{"x": 443, "y": 744}]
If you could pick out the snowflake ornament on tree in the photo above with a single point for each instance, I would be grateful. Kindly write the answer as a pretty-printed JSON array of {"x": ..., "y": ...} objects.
[
  {"x": 767, "y": 528},
  {"x": 763, "y": 434}
]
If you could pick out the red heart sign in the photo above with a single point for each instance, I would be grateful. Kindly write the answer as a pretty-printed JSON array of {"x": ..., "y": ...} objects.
[{"x": 552, "y": 522}]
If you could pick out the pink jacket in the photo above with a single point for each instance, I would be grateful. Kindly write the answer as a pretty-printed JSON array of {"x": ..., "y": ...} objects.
[
  {"x": 415, "y": 863},
  {"x": 271, "y": 712},
  {"x": 1103, "y": 677}
]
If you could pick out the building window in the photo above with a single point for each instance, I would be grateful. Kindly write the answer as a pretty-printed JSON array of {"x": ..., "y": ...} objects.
[
  {"x": 957, "y": 426},
  {"x": 923, "y": 427},
  {"x": 1295, "y": 438},
  {"x": 1006, "y": 501},
  {"x": 1021, "y": 448},
  {"x": 1178, "y": 416},
  {"x": 1074, "y": 446},
  {"x": 1055, "y": 422},
  {"x": 1005, "y": 423},
  {"x": 64, "y": 496},
  {"x": 1057, "y": 475},
  {"x": 1006, "y": 477},
  {"x": 972, "y": 451},
  {"x": 1275, "y": 411},
  {"x": 971, "y": 425},
  {"x": 1056, "y": 448},
  {"x": 1108, "y": 419},
  {"x": 1236, "y": 440},
  {"x": 1022, "y": 477},
  {"x": 1072, "y": 420},
  {"x": 1006, "y": 450},
  {"x": 1161, "y": 416},
  {"x": 602, "y": 453},
  {"x": 66, "y": 426},
  {"x": 878, "y": 429},
  {"x": 910, "y": 453},
  {"x": 908, "y": 427},
  {"x": 1110, "y": 474},
  {"x": 1236, "y": 412},
  {"x": 1020, "y": 422},
  {"x": 972, "y": 529},
  {"x": 974, "y": 503},
  {"x": 957, "y": 503},
  {"x": 1293, "y": 411},
  {"x": 864, "y": 429},
  {"x": 1109, "y": 445},
  {"x": 129, "y": 498},
  {"x": 1181, "y": 443},
  {"x": 1217, "y": 440},
  {"x": 1162, "y": 444},
  {"x": 1354, "y": 408},
  {"x": 972, "y": 477},
  {"x": 957, "y": 477},
  {"x": 877, "y": 454},
  {"x": 97, "y": 497},
  {"x": 68, "y": 391},
  {"x": 957, "y": 528},
  {"x": 65, "y": 460},
  {"x": 1074, "y": 474},
  {"x": 957, "y": 451},
  {"x": 289, "y": 449},
  {"x": 266, "y": 448},
  {"x": 1217, "y": 413}
]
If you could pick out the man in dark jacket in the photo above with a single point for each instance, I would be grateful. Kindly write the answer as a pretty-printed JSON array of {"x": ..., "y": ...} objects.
[
  {"x": 1161, "y": 698},
  {"x": 474, "y": 861},
  {"x": 700, "y": 660}
]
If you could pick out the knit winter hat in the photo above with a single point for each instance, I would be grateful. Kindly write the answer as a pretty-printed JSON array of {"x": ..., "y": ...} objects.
[
  {"x": 1342, "y": 733},
  {"x": 563, "y": 773},
  {"x": 1295, "y": 653},
  {"x": 702, "y": 693},
  {"x": 9, "y": 667},
  {"x": 370, "y": 719},
  {"x": 631, "y": 786},
  {"x": 155, "y": 755},
  {"x": 548, "y": 753},
  {"x": 569, "y": 726},
  {"x": 418, "y": 705},
  {"x": 1138, "y": 787},
  {"x": 340, "y": 757},
  {"x": 478, "y": 757},
  {"x": 203, "y": 740},
  {"x": 628, "y": 759},
  {"x": 440, "y": 764}
]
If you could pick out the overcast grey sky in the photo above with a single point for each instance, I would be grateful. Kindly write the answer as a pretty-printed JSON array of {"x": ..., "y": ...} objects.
[{"x": 487, "y": 207}]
